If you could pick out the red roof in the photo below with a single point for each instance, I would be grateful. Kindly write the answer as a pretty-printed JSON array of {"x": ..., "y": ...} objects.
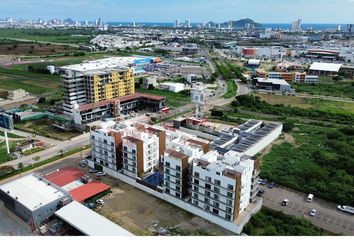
[
  {"x": 123, "y": 99},
  {"x": 88, "y": 190},
  {"x": 65, "y": 176}
]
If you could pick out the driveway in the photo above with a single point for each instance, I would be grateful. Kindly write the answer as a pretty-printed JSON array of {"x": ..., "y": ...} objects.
[{"x": 327, "y": 217}]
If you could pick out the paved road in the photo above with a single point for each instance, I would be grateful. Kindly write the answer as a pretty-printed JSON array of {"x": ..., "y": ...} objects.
[
  {"x": 76, "y": 142},
  {"x": 10, "y": 224},
  {"x": 327, "y": 217}
]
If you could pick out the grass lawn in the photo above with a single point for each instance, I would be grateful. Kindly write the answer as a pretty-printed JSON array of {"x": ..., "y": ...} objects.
[
  {"x": 173, "y": 100},
  {"x": 268, "y": 222},
  {"x": 48, "y": 35},
  {"x": 44, "y": 127},
  {"x": 327, "y": 87},
  {"x": 34, "y": 83},
  {"x": 318, "y": 160},
  {"x": 231, "y": 89},
  {"x": 10, "y": 135},
  {"x": 320, "y": 104},
  {"x": 3, "y": 154}
]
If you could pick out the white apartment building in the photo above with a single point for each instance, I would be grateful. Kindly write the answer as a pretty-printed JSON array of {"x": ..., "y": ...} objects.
[
  {"x": 140, "y": 153},
  {"x": 221, "y": 185}
]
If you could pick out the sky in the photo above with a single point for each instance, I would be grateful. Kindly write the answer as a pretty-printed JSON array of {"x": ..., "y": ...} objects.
[{"x": 262, "y": 11}]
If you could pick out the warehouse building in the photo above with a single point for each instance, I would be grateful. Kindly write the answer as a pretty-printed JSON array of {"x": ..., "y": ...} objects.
[
  {"x": 325, "y": 69},
  {"x": 275, "y": 85},
  {"x": 33, "y": 198}
]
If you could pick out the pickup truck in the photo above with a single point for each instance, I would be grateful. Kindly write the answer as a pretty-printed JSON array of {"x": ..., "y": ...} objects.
[{"x": 347, "y": 209}]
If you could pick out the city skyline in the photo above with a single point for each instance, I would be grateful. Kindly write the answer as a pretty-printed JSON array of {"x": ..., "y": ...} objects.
[{"x": 196, "y": 10}]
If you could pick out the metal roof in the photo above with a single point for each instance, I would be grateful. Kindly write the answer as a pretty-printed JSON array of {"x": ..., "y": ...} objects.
[
  {"x": 89, "y": 222},
  {"x": 329, "y": 67}
]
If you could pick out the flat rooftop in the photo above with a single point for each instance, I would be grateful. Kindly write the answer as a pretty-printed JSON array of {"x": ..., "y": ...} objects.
[
  {"x": 32, "y": 191},
  {"x": 89, "y": 222}
]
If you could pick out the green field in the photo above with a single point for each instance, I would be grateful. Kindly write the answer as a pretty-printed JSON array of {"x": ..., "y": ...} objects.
[
  {"x": 268, "y": 222},
  {"x": 231, "y": 89},
  {"x": 316, "y": 160},
  {"x": 173, "y": 100},
  {"x": 34, "y": 83},
  {"x": 10, "y": 135},
  {"x": 307, "y": 103},
  {"x": 3, "y": 154},
  {"x": 327, "y": 87},
  {"x": 49, "y": 35}
]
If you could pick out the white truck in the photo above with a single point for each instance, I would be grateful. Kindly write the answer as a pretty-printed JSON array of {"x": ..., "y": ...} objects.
[{"x": 346, "y": 209}]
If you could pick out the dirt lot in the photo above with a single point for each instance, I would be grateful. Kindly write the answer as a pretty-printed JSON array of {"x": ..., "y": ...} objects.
[
  {"x": 37, "y": 49},
  {"x": 142, "y": 213}
]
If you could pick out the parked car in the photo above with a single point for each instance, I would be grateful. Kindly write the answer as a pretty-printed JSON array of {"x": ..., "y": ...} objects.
[
  {"x": 260, "y": 192},
  {"x": 310, "y": 197},
  {"x": 101, "y": 174},
  {"x": 313, "y": 212},
  {"x": 347, "y": 209},
  {"x": 100, "y": 201},
  {"x": 263, "y": 181},
  {"x": 82, "y": 164},
  {"x": 285, "y": 202},
  {"x": 90, "y": 205},
  {"x": 271, "y": 185},
  {"x": 93, "y": 170}
]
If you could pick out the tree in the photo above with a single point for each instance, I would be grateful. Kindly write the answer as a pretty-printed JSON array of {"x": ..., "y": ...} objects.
[{"x": 20, "y": 166}]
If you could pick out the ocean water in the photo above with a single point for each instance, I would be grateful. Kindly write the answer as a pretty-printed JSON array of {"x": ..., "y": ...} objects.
[{"x": 282, "y": 26}]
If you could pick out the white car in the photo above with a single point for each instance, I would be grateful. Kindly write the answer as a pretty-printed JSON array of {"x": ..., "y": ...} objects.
[
  {"x": 100, "y": 201},
  {"x": 313, "y": 212},
  {"x": 101, "y": 174},
  {"x": 285, "y": 202}
]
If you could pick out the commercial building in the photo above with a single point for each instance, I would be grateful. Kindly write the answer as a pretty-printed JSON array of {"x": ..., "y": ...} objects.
[
  {"x": 87, "y": 113},
  {"x": 219, "y": 185},
  {"x": 296, "y": 25},
  {"x": 288, "y": 76},
  {"x": 192, "y": 78},
  {"x": 149, "y": 82},
  {"x": 274, "y": 84},
  {"x": 172, "y": 87},
  {"x": 17, "y": 94},
  {"x": 326, "y": 69},
  {"x": 33, "y": 198},
  {"x": 190, "y": 49}
]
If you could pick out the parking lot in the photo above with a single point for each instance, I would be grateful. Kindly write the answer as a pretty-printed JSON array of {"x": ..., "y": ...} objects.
[{"x": 327, "y": 217}]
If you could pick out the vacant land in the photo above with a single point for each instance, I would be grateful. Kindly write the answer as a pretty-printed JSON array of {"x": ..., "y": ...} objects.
[
  {"x": 48, "y": 35},
  {"x": 327, "y": 87},
  {"x": 320, "y": 104},
  {"x": 44, "y": 127},
  {"x": 35, "y": 83},
  {"x": 173, "y": 100},
  {"x": 268, "y": 222},
  {"x": 319, "y": 160},
  {"x": 35, "y": 49},
  {"x": 3, "y": 153},
  {"x": 142, "y": 213}
]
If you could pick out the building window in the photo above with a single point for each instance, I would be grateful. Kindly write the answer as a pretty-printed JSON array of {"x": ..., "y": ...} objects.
[
  {"x": 178, "y": 168},
  {"x": 178, "y": 175},
  {"x": 167, "y": 171},
  {"x": 215, "y": 211},
  {"x": 207, "y": 186},
  {"x": 206, "y": 200},
  {"x": 167, "y": 190},
  {"x": 125, "y": 148},
  {"x": 196, "y": 189},
  {"x": 167, "y": 184},
  {"x": 178, "y": 182},
  {"x": 228, "y": 217},
  {"x": 105, "y": 141},
  {"x": 196, "y": 174},
  {"x": 217, "y": 182},
  {"x": 216, "y": 204},
  {"x": 133, "y": 151},
  {"x": 229, "y": 210},
  {"x": 207, "y": 193},
  {"x": 178, "y": 188},
  {"x": 178, "y": 195},
  {"x": 167, "y": 164},
  {"x": 216, "y": 196},
  {"x": 196, "y": 181},
  {"x": 195, "y": 202},
  {"x": 208, "y": 179},
  {"x": 230, "y": 187},
  {"x": 93, "y": 137},
  {"x": 229, "y": 194},
  {"x": 206, "y": 207},
  {"x": 168, "y": 178},
  {"x": 112, "y": 143},
  {"x": 195, "y": 195},
  {"x": 229, "y": 202},
  {"x": 216, "y": 189}
]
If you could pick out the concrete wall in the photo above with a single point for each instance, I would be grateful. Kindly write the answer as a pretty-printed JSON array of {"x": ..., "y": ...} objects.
[{"x": 231, "y": 226}]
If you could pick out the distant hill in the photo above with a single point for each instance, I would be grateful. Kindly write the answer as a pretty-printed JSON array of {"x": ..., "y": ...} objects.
[{"x": 236, "y": 24}]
